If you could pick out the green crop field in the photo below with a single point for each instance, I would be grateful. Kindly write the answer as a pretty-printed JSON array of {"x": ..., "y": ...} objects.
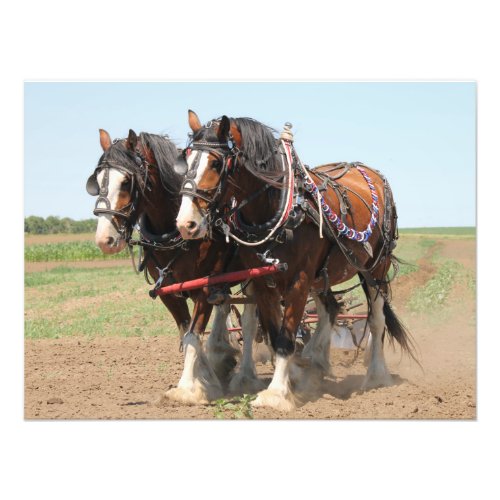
[
  {"x": 67, "y": 301},
  {"x": 67, "y": 251}
]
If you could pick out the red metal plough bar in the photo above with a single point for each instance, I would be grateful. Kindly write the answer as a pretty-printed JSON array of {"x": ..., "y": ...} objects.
[{"x": 255, "y": 272}]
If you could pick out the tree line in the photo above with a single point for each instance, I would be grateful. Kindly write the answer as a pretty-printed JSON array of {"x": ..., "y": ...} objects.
[{"x": 54, "y": 225}]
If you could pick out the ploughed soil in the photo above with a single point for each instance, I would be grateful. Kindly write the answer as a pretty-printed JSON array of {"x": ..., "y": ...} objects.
[
  {"x": 37, "y": 239},
  {"x": 124, "y": 378}
]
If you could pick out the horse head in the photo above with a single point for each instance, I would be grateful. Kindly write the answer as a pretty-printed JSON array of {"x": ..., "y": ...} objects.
[
  {"x": 204, "y": 163},
  {"x": 118, "y": 182},
  {"x": 229, "y": 166}
]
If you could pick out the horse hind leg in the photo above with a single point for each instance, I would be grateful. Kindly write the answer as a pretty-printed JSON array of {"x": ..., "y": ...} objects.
[
  {"x": 318, "y": 348},
  {"x": 377, "y": 373},
  {"x": 220, "y": 353},
  {"x": 245, "y": 381},
  {"x": 309, "y": 378}
]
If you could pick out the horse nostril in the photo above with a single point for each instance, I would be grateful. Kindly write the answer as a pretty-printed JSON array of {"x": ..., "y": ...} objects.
[
  {"x": 191, "y": 225},
  {"x": 110, "y": 241}
]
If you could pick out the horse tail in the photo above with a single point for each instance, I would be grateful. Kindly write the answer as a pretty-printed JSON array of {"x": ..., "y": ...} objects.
[{"x": 399, "y": 332}]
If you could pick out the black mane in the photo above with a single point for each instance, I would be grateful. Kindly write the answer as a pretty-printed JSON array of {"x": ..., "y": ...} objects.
[
  {"x": 164, "y": 152},
  {"x": 118, "y": 153},
  {"x": 259, "y": 145},
  {"x": 259, "y": 149}
]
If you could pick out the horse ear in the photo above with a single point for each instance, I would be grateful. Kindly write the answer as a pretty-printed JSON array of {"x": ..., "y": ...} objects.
[
  {"x": 194, "y": 121},
  {"x": 105, "y": 139},
  {"x": 131, "y": 140},
  {"x": 236, "y": 135},
  {"x": 223, "y": 129}
]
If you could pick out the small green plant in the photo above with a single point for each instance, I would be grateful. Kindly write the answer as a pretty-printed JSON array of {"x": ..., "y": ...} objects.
[
  {"x": 435, "y": 293},
  {"x": 235, "y": 408},
  {"x": 162, "y": 366}
]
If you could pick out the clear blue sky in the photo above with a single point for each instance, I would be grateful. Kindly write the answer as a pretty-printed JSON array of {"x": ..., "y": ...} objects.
[{"x": 422, "y": 136}]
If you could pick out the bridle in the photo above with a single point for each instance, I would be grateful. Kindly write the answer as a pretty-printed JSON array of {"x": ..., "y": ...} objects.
[
  {"x": 127, "y": 214},
  {"x": 223, "y": 154},
  {"x": 217, "y": 214}
]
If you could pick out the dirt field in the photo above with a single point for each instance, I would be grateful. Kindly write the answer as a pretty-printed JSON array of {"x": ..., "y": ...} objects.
[
  {"x": 36, "y": 239},
  {"x": 123, "y": 378}
]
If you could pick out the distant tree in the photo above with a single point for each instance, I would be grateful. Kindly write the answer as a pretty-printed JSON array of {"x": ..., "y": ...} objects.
[
  {"x": 53, "y": 224},
  {"x": 35, "y": 225},
  {"x": 84, "y": 226},
  {"x": 66, "y": 224}
]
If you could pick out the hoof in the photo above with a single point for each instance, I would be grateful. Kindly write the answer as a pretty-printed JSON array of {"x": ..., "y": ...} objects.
[
  {"x": 192, "y": 396},
  {"x": 242, "y": 383},
  {"x": 223, "y": 364},
  {"x": 272, "y": 398},
  {"x": 307, "y": 381},
  {"x": 376, "y": 380}
]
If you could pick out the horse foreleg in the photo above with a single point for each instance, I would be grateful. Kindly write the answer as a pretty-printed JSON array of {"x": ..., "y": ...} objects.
[
  {"x": 199, "y": 383},
  {"x": 180, "y": 312},
  {"x": 279, "y": 394},
  {"x": 220, "y": 353}
]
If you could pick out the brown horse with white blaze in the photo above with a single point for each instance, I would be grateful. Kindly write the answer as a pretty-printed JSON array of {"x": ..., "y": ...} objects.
[
  {"x": 261, "y": 196},
  {"x": 135, "y": 183}
]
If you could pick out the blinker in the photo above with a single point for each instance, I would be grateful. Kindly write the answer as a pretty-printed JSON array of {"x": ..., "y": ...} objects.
[
  {"x": 92, "y": 185},
  {"x": 180, "y": 165}
]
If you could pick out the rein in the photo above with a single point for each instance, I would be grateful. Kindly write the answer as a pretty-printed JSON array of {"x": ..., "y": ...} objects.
[{"x": 286, "y": 204}]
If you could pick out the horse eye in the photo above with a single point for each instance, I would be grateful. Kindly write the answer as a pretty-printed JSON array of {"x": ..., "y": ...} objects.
[{"x": 126, "y": 184}]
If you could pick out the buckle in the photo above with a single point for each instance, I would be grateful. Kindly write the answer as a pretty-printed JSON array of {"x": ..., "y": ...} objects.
[
  {"x": 266, "y": 257},
  {"x": 281, "y": 237}
]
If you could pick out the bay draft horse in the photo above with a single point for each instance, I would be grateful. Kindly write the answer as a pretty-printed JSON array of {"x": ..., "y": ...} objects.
[
  {"x": 135, "y": 182},
  {"x": 255, "y": 190}
]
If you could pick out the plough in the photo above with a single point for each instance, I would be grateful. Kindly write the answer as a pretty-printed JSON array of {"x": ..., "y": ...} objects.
[{"x": 349, "y": 331}]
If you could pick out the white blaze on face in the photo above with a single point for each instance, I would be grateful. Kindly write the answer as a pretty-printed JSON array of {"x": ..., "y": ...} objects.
[
  {"x": 107, "y": 237},
  {"x": 190, "y": 221}
]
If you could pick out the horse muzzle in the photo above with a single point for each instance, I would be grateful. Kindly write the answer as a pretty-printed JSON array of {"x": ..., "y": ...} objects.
[
  {"x": 110, "y": 244},
  {"x": 192, "y": 230}
]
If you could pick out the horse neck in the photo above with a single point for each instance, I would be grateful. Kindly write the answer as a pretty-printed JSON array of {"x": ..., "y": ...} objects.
[
  {"x": 261, "y": 208},
  {"x": 161, "y": 207}
]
